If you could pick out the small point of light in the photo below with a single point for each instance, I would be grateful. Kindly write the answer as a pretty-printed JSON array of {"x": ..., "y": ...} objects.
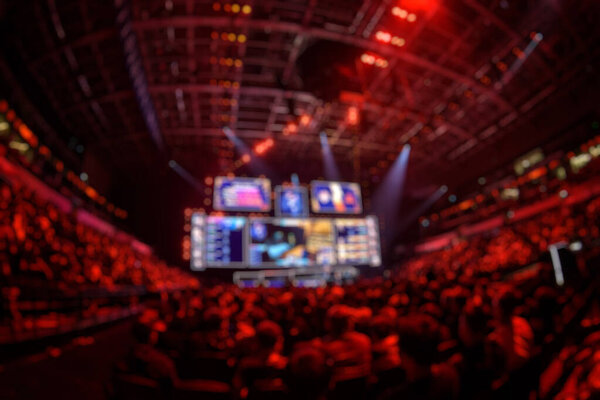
[
  {"x": 172, "y": 163},
  {"x": 576, "y": 246},
  {"x": 425, "y": 223},
  {"x": 411, "y": 17},
  {"x": 352, "y": 115},
  {"x": 367, "y": 59},
  {"x": 399, "y": 12},
  {"x": 305, "y": 120},
  {"x": 444, "y": 188},
  {"x": 398, "y": 41},
  {"x": 563, "y": 194},
  {"x": 83, "y": 176},
  {"x": 452, "y": 198},
  {"x": 292, "y": 127},
  {"x": 246, "y": 9},
  {"x": 482, "y": 180},
  {"x": 246, "y": 158},
  {"x": 381, "y": 63},
  {"x": 382, "y": 36}
]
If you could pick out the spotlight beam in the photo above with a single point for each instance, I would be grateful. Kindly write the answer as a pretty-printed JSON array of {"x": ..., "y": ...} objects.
[
  {"x": 330, "y": 168},
  {"x": 183, "y": 173},
  {"x": 388, "y": 197}
]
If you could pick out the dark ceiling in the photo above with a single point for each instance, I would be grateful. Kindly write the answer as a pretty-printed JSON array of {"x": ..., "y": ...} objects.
[{"x": 139, "y": 82}]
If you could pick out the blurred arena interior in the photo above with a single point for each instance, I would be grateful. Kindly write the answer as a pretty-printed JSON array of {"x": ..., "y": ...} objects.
[{"x": 300, "y": 199}]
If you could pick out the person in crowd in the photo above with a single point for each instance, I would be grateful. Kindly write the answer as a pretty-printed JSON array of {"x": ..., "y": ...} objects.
[
  {"x": 265, "y": 366},
  {"x": 425, "y": 378},
  {"x": 349, "y": 350},
  {"x": 309, "y": 374}
]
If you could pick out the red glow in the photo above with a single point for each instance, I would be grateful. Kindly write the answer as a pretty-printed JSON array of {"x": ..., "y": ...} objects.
[
  {"x": 262, "y": 147},
  {"x": 305, "y": 120},
  {"x": 246, "y": 158},
  {"x": 419, "y": 5},
  {"x": 371, "y": 59},
  {"x": 352, "y": 116}
]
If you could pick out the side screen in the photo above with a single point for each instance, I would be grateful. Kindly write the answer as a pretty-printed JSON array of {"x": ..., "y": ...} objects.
[
  {"x": 197, "y": 242},
  {"x": 225, "y": 237},
  {"x": 291, "y": 242},
  {"x": 242, "y": 194},
  {"x": 335, "y": 197},
  {"x": 357, "y": 241}
]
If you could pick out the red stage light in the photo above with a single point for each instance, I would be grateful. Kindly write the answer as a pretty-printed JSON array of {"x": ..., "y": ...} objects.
[
  {"x": 374, "y": 60},
  {"x": 305, "y": 120},
  {"x": 416, "y": 5},
  {"x": 352, "y": 116},
  {"x": 383, "y": 36}
]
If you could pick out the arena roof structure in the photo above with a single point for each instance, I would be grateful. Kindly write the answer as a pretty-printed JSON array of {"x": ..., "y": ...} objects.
[{"x": 470, "y": 84}]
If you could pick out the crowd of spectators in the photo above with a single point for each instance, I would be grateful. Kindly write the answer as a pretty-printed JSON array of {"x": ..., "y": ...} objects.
[
  {"x": 476, "y": 320},
  {"x": 42, "y": 248}
]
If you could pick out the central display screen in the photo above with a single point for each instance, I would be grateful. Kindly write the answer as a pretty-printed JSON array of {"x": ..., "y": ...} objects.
[
  {"x": 335, "y": 197},
  {"x": 291, "y": 242},
  {"x": 242, "y": 194},
  {"x": 264, "y": 242}
]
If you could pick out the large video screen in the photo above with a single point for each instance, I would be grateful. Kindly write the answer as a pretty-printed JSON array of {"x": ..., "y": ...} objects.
[
  {"x": 286, "y": 242},
  {"x": 357, "y": 241},
  {"x": 242, "y": 194},
  {"x": 224, "y": 241},
  {"x": 335, "y": 197},
  {"x": 291, "y": 201}
]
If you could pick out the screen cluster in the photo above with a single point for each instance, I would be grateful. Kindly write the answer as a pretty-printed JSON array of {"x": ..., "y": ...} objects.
[{"x": 291, "y": 238}]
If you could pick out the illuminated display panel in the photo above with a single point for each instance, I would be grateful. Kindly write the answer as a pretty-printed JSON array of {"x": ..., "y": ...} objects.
[
  {"x": 242, "y": 194},
  {"x": 288, "y": 242},
  {"x": 357, "y": 241},
  {"x": 197, "y": 242},
  {"x": 291, "y": 201},
  {"x": 335, "y": 197},
  {"x": 224, "y": 241}
]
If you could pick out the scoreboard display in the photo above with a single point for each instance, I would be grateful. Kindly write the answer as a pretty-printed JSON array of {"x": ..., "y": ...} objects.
[
  {"x": 335, "y": 197},
  {"x": 357, "y": 241},
  {"x": 224, "y": 241},
  {"x": 291, "y": 201},
  {"x": 291, "y": 239},
  {"x": 288, "y": 242},
  {"x": 263, "y": 242},
  {"x": 242, "y": 194}
]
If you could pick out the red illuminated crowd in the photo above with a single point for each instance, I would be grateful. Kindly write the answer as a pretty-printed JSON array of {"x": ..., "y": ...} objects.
[
  {"x": 42, "y": 248},
  {"x": 477, "y": 320},
  {"x": 481, "y": 318}
]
